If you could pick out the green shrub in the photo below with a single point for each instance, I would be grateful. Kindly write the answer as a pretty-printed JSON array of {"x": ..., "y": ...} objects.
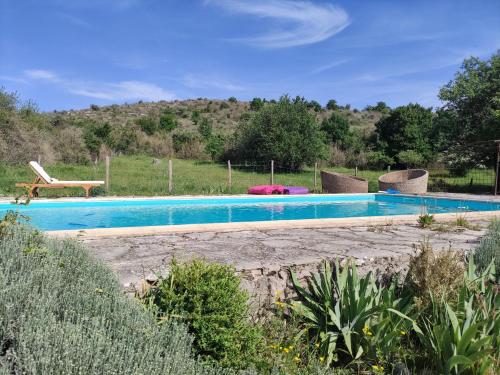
[
  {"x": 256, "y": 104},
  {"x": 410, "y": 158},
  {"x": 332, "y": 105},
  {"x": 378, "y": 160},
  {"x": 205, "y": 127},
  {"x": 148, "y": 125},
  {"x": 425, "y": 220},
  {"x": 352, "y": 318},
  {"x": 168, "y": 122},
  {"x": 464, "y": 336},
  {"x": 232, "y": 99},
  {"x": 62, "y": 312},
  {"x": 436, "y": 273},
  {"x": 214, "y": 146},
  {"x": 208, "y": 298},
  {"x": 489, "y": 249}
]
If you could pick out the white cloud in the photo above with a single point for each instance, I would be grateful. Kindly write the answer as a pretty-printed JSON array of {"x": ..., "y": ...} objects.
[
  {"x": 41, "y": 74},
  {"x": 329, "y": 66},
  {"x": 191, "y": 80},
  {"x": 113, "y": 91},
  {"x": 301, "y": 22},
  {"x": 126, "y": 90}
]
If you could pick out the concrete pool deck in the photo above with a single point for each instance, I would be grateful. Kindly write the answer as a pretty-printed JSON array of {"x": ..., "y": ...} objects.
[{"x": 263, "y": 258}]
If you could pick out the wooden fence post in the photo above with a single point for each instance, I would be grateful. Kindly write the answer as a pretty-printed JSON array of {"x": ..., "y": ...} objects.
[
  {"x": 229, "y": 176},
  {"x": 39, "y": 159},
  {"x": 497, "y": 171},
  {"x": 315, "y": 176},
  {"x": 170, "y": 173},
  {"x": 272, "y": 172},
  {"x": 388, "y": 168},
  {"x": 107, "y": 174},
  {"x": 356, "y": 171}
]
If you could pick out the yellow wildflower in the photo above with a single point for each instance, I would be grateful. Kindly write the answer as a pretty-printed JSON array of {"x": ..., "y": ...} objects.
[
  {"x": 322, "y": 359},
  {"x": 366, "y": 331},
  {"x": 316, "y": 345},
  {"x": 290, "y": 347},
  {"x": 378, "y": 368},
  {"x": 402, "y": 333},
  {"x": 273, "y": 346},
  {"x": 286, "y": 350},
  {"x": 296, "y": 359}
]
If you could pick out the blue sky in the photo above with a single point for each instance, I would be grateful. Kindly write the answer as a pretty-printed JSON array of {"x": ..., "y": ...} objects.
[{"x": 72, "y": 53}]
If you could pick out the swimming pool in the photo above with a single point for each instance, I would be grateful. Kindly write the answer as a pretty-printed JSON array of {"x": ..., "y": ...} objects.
[{"x": 120, "y": 213}]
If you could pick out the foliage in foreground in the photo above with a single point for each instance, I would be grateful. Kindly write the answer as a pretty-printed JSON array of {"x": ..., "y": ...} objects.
[
  {"x": 357, "y": 322},
  {"x": 208, "y": 298},
  {"x": 62, "y": 312},
  {"x": 489, "y": 249}
]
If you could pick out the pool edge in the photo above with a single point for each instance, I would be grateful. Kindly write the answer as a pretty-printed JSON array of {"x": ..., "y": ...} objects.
[{"x": 268, "y": 225}]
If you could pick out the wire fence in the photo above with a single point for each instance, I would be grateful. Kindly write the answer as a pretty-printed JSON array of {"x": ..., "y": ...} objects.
[{"x": 146, "y": 176}]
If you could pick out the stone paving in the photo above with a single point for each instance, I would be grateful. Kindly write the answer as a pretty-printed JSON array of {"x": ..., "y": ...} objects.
[{"x": 264, "y": 257}]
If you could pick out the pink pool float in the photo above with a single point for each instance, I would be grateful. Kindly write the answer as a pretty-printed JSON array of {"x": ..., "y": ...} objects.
[
  {"x": 296, "y": 190},
  {"x": 266, "y": 189}
]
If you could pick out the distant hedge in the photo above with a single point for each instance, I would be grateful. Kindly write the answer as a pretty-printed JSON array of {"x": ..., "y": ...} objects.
[{"x": 63, "y": 312}]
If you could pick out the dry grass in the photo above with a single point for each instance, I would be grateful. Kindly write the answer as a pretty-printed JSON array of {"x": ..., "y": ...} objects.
[{"x": 436, "y": 273}]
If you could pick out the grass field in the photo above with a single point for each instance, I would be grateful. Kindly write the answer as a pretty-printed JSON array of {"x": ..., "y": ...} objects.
[{"x": 137, "y": 175}]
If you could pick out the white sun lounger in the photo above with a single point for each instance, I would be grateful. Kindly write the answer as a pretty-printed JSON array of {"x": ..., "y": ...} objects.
[{"x": 43, "y": 180}]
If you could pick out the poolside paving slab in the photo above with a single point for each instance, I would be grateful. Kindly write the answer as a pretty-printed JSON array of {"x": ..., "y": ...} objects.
[{"x": 264, "y": 258}]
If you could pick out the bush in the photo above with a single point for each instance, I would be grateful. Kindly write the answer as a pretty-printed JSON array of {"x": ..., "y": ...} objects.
[
  {"x": 208, "y": 298},
  {"x": 489, "y": 249},
  {"x": 232, "y": 99},
  {"x": 285, "y": 132},
  {"x": 336, "y": 129},
  {"x": 214, "y": 146},
  {"x": 378, "y": 160},
  {"x": 148, "y": 125},
  {"x": 205, "y": 127},
  {"x": 62, "y": 312},
  {"x": 187, "y": 145},
  {"x": 256, "y": 104},
  {"x": 436, "y": 273},
  {"x": 168, "y": 122},
  {"x": 410, "y": 158},
  {"x": 350, "y": 317},
  {"x": 332, "y": 105}
]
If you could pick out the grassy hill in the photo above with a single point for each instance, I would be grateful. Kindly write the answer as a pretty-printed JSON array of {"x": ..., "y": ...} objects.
[
  {"x": 225, "y": 114},
  {"x": 81, "y": 136}
]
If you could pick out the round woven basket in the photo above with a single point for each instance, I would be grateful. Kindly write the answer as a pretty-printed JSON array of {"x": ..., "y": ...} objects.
[
  {"x": 337, "y": 183},
  {"x": 412, "y": 181}
]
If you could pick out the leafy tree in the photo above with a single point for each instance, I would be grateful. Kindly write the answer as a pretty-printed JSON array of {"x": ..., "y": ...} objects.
[
  {"x": 205, "y": 127},
  {"x": 471, "y": 112},
  {"x": 379, "y": 107},
  {"x": 410, "y": 158},
  {"x": 315, "y": 106},
  {"x": 215, "y": 146},
  {"x": 168, "y": 121},
  {"x": 285, "y": 132},
  {"x": 256, "y": 104},
  {"x": 148, "y": 125},
  {"x": 8, "y": 100},
  {"x": 232, "y": 99},
  {"x": 336, "y": 129},
  {"x": 406, "y": 128},
  {"x": 96, "y": 135},
  {"x": 332, "y": 105},
  {"x": 378, "y": 160}
]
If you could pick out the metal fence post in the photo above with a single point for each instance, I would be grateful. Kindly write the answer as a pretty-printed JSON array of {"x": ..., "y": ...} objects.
[
  {"x": 229, "y": 176},
  {"x": 107, "y": 174},
  {"x": 272, "y": 172},
  {"x": 170, "y": 173}
]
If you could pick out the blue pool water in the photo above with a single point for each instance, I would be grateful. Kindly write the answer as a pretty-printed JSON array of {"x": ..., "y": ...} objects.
[{"x": 147, "y": 212}]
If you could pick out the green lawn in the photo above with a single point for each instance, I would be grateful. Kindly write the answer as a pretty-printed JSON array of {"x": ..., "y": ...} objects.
[{"x": 137, "y": 175}]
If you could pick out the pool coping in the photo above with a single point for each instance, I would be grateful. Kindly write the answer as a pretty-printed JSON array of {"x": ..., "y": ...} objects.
[{"x": 257, "y": 225}]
